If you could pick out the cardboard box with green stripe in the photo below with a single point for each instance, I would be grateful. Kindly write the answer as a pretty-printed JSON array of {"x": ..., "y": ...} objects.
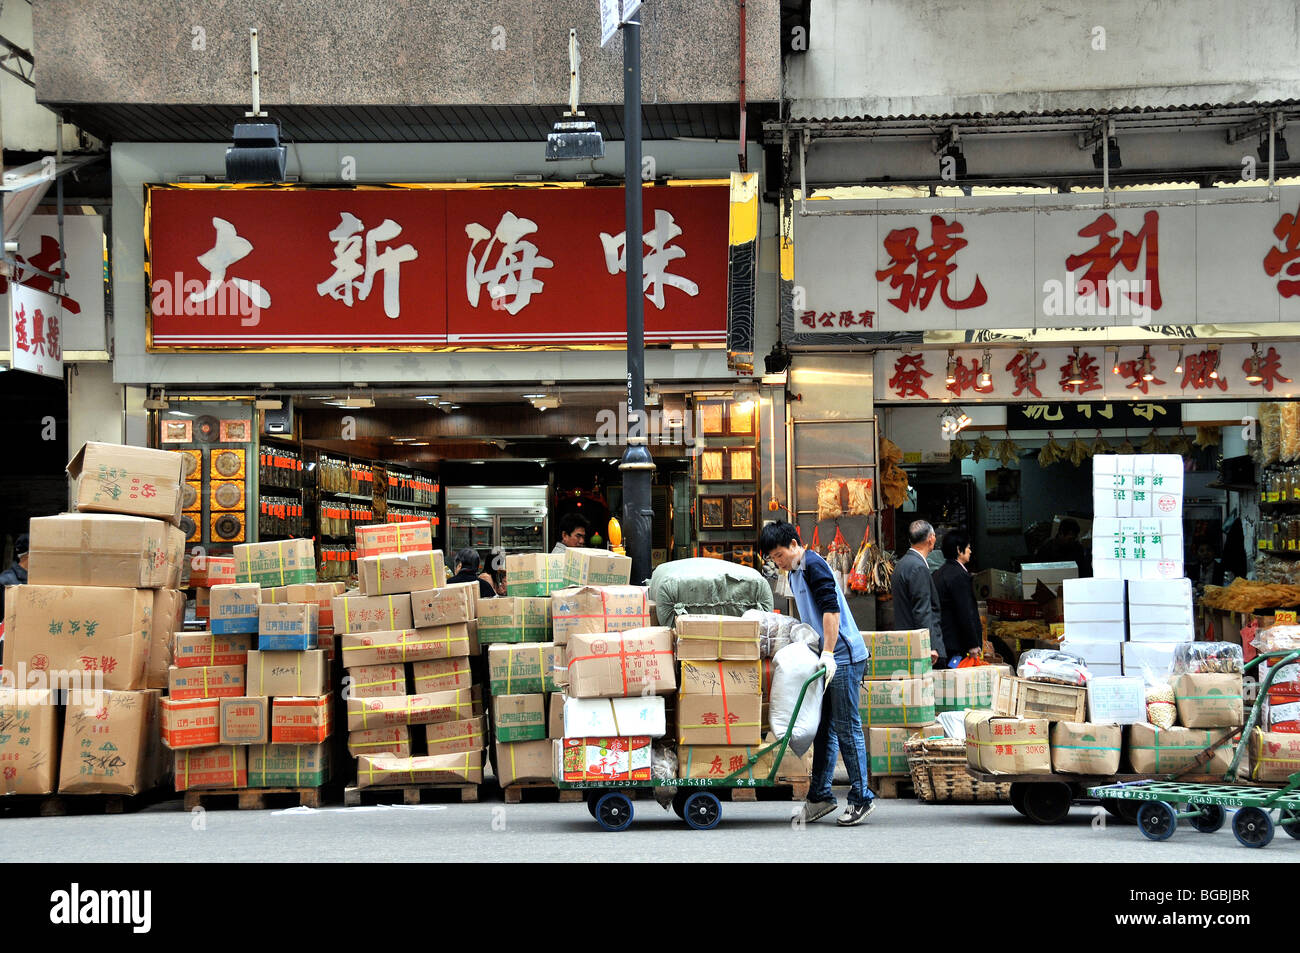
[
  {"x": 1082, "y": 748},
  {"x": 885, "y": 749},
  {"x": 905, "y": 652},
  {"x": 524, "y": 668},
  {"x": 510, "y": 619},
  {"x": 535, "y": 574},
  {"x": 281, "y": 563},
  {"x": 896, "y": 702}
]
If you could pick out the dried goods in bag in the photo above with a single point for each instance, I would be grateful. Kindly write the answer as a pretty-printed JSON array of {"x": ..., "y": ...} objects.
[
  {"x": 860, "y": 497},
  {"x": 1270, "y": 433},
  {"x": 828, "y": 500},
  {"x": 1207, "y": 658},
  {"x": 1290, "y": 425}
]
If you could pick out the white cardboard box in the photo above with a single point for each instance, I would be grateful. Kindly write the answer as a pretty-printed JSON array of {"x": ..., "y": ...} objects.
[
  {"x": 1132, "y": 549},
  {"x": 1095, "y": 631},
  {"x": 1157, "y": 656},
  {"x": 1117, "y": 700},
  {"x": 616, "y": 717},
  {"x": 1096, "y": 612},
  {"x": 1167, "y": 592},
  {"x": 1094, "y": 653},
  {"x": 1161, "y": 611},
  {"x": 1091, "y": 591},
  {"x": 1137, "y": 485}
]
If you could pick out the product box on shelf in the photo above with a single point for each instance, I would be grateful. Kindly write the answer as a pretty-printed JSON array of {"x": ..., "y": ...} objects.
[
  {"x": 135, "y": 481},
  {"x": 394, "y": 740},
  {"x": 356, "y": 613},
  {"x": 524, "y": 761},
  {"x": 519, "y": 717},
  {"x": 441, "y": 675},
  {"x": 904, "y": 652},
  {"x": 401, "y": 572},
  {"x": 375, "y": 681},
  {"x": 280, "y": 563},
  {"x": 195, "y": 649},
  {"x": 207, "y": 571},
  {"x": 1082, "y": 748},
  {"x": 596, "y": 567},
  {"x": 365, "y": 713},
  {"x": 885, "y": 750},
  {"x": 191, "y": 722},
  {"x": 1209, "y": 700},
  {"x": 233, "y": 609}
]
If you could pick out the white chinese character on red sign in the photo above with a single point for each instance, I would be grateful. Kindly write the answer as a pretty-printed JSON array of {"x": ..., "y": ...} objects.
[
  {"x": 655, "y": 264},
  {"x": 348, "y": 268},
  {"x": 229, "y": 248},
  {"x": 512, "y": 276}
]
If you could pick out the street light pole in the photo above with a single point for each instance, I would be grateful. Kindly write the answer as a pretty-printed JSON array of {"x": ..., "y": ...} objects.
[{"x": 637, "y": 463}]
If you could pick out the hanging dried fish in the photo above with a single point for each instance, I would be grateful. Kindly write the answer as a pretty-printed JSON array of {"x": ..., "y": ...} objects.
[
  {"x": 1152, "y": 443},
  {"x": 1100, "y": 446},
  {"x": 1052, "y": 452},
  {"x": 983, "y": 448},
  {"x": 1126, "y": 447},
  {"x": 1208, "y": 437},
  {"x": 959, "y": 449},
  {"x": 1007, "y": 451},
  {"x": 1180, "y": 444},
  {"x": 1079, "y": 452}
]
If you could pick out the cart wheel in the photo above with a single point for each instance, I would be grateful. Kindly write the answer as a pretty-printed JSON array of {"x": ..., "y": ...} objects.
[
  {"x": 1209, "y": 820},
  {"x": 1047, "y": 802},
  {"x": 1128, "y": 810},
  {"x": 1253, "y": 827},
  {"x": 614, "y": 811},
  {"x": 1115, "y": 808},
  {"x": 1157, "y": 820},
  {"x": 1018, "y": 797},
  {"x": 1290, "y": 822},
  {"x": 702, "y": 811},
  {"x": 679, "y": 803},
  {"x": 591, "y": 798}
]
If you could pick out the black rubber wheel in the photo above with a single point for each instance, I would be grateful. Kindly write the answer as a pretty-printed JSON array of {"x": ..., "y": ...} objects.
[
  {"x": 1252, "y": 827},
  {"x": 1047, "y": 802},
  {"x": 614, "y": 811},
  {"x": 591, "y": 797},
  {"x": 702, "y": 811},
  {"x": 1290, "y": 822},
  {"x": 1018, "y": 797},
  {"x": 1157, "y": 820},
  {"x": 1128, "y": 810},
  {"x": 1113, "y": 807},
  {"x": 1210, "y": 819},
  {"x": 679, "y": 803}
]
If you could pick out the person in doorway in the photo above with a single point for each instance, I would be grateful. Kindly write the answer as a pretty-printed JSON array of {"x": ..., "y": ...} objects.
[
  {"x": 916, "y": 599},
  {"x": 843, "y": 653},
  {"x": 1207, "y": 570},
  {"x": 958, "y": 614},
  {"x": 15, "y": 575},
  {"x": 1065, "y": 547},
  {"x": 574, "y": 529},
  {"x": 467, "y": 565}
]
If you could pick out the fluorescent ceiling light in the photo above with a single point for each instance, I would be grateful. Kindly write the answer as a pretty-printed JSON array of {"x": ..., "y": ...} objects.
[
  {"x": 178, "y": 413},
  {"x": 427, "y": 397}
]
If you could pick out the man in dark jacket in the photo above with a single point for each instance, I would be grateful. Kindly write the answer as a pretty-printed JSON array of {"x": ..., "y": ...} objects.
[
  {"x": 958, "y": 613},
  {"x": 916, "y": 600}
]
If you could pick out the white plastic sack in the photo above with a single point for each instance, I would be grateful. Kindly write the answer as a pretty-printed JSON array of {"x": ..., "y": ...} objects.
[
  {"x": 776, "y": 631},
  {"x": 791, "y": 667}
]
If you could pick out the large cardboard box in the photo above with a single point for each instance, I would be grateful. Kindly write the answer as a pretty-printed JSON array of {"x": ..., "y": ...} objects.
[
  {"x": 1153, "y": 750},
  {"x": 245, "y": 720},
  {"x": 719, "y": 761},
  {"x": 555, "y": 714},
  {"x": 616, "y": 664},
  {"x": 29, "y": 742},
  {"x": 453, "y": 737},
  {"x": 207, "y": 681},
  {"x": 195, "y": 649},
  {"x": 885, "y": 750},
  {"x": 1023, "y": 698},
  {"x": 601, "y": 759},
  {"x": 1160, "y": 610},
  {"x": 526, "y": 668},
  {"x": 508, "y": 619},
  {"x": 287, "y": 673},
  {"x": 288, "y": 766},
  {"x": 719, "y": 720},
  {"x": 234, "y": 609},
  {"x": 896, "y": 702},
  {"x": 110, "y": 743},
  {"x": 401, "y": 572},
  {"x": 524, "y": 761},
  {"x": 972, "y": 687},
  {"x": 375, "y": 681},
  {"x": 320, "y": 594},
  {"x": 904, "y": 652},
  {"x": 372, "y": 613},
  {"x": 279, "y": 563},
  {"x": 1116, "y": 700},
  {"x": 597, "y": 609},
  {"x": 287, "y": 627},
  {"x": 383, "y": 538},
  {"x": 996, "y": 584},
  {"x": 407, "y": 645},
  {"x": 703, "y": 637},
  {"x": 445, "y": 605},
  {"x": 112, "y": 478},
  {"x": 395, "y": 740},
  {"x": 301, "y": 721},
  {"x": 380, "y": 769},
  {"x": 222, "y": 767},
  {"x": 191, "y": 722},
  {"x": 207, "y": 571},
  {"x": 721, "y": 678},
  {"x": 997, "y": 744},
  {"x": 168, "y": 619},
  {"x": 1209, "y": 700},
  {"x": 82, "y": 630},
  {"x": 535, "y": 574},
  {"x": 519, "y": 717},
  {"x": 1079, "y": 748},
  {"x": 102, "y": 549},
  {"x": 442, "y": 675},
  {"x": 1274, "y": 755},
  {"x": 597, "y": 717},
  {"x": 364, "y": 713},
  {"x": 596, "y": 567}
]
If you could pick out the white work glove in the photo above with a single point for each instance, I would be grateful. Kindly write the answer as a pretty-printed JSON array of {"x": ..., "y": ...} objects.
[{"x": 828, "y": 659}]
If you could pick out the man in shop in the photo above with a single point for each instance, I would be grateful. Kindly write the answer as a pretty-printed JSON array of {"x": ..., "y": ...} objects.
[
  {"x": 15, "y": 575},
  {"x": 574, "y": 529},
  {"x": 467, "y": 565},
  {"x": 1206, "y": 571},
  {"x": 916, "y": 599},
  {"x": 1065, "y": 547},
  {"x": 843, "y": 653},
  {"x": 958, "y": 613}
]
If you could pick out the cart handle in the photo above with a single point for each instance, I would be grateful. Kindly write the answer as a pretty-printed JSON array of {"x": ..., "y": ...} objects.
[
  {"x": 794, "y": 716},
  {"x": 1261, "y": 694}
]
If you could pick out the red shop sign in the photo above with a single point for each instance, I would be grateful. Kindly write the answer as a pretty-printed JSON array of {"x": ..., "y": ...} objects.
[{"x": 402, "y": 268}]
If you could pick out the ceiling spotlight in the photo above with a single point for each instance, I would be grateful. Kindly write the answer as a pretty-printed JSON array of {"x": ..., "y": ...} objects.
[
  {"x": 1178, "y": 368},
  {"x": 1112, "y": 146},
  {"x": 953, "y": 420},
  {"x": 1214, "y": 363},
  {"x": 986, "y": 376},
  {"x": 952, "y": 369},
  {"x": 1075, "y": 370},
  {"x": 1114, "y": 362},
  {"x": 1253, "y": 376},
  {"x": 1148, "y": 365}
]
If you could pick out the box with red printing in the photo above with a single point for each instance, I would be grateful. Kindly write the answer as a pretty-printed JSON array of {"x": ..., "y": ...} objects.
[
  {"x": 206, "y": 681},
  {"x": 212, "y": 571},
  {"x": 1284, "y": 715},
  {"x": 604, "y": 759},
  {"x": 376, "y": 681},
  {"x": 382, "y": 538},
  {"x": 225, "y": 766},
  {"x": 191, "y": 722},
  {"x": 196, "y": 649},
  {"x": 301, "y": 721}
]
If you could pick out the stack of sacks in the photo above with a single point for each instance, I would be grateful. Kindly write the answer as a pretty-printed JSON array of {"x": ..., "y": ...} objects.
[
  {"x": 415, "y": 715},
  {"x": 720, "y": 702},
  {"x": 97, "y": 619},
  {"x": 898, "y": 694},
  {"x": 206, "y": 572}
]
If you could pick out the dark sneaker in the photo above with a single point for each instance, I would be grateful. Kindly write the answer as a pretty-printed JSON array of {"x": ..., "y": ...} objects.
[
  {"x": 856, "y": 814},
  {"x": 815, "y": 810}
]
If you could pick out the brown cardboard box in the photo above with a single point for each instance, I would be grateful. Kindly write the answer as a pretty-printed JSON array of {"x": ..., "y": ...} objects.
[
  {"x": 720, "y": 761},
  {"x": 375, "y": 681},
  {"x": 113, "y": 478},
  {"x": 523, "y": 761},
  {"x": 395, "y": 740},
  {"x": 283, "y": 562},
  {"x": 507, "y": 619},
  {"x": 791, "y": 768},
  {"x": 885, "y": 750},
  {"x": 1209, "y": 700},
  {"x": 906, "y": 652},
  {"x": 401, "y": 572},
  {"x": 29, "y": 742},
  {"x": 1022, "y": 698},
  {"x": 175, "y": 558},
  {"x": 233, "y": 608},
  {"x": 535, "y": 574},
  {"x": 168, "y": 619},
  {"x": 453, "y": 737},
  {"x": 191, "y": 722},
  {"x": 721, "y": 678},
  {"x": 102, "y": 549},
  {"x": 246, "y": 720},
  {"x": 301, "y": 721},
  {"x": 528, "y": 667},
  {"x": 597, "y": 609},
  {"x": 321, "y": 594},
  {"x": 713, "y": 720},
  {"x": 364, "y": 713},
  {"x": 996, "y": 744},
  {"x": 1049, "y": 574},
  {"x": 220, "y": 767},
  {"x": 596, "y": 567},
  {"x": 207, "y": 681},
  {"x": 381, "y": 538},
  {"x": 519, "y": 718},
  {"x": 616, "y": 664},
  {"x": 472, "y": 628},
  {"x": 445, "y": 605},
  {"x": 996, "y": 584},
  {"x": 1153, "y": 750},
  {"x": 1274, "y": 755},
  {"x": 294, "y": 619},
  {"x": 972, "y": 687},
  {"x": 407, "y": 645},
  {"x": 896, "y": 702},
  {"x": 110, "y": 742},
  {"x": 555, "y": 715},
  {"x": 380, "y": 769},
  {"x": 194, "y": 649},
  {"x": 288, "y": 766},
  {"x": 1079, "y": 748},
  {"x": 372, "y": 613},
  {"x": 207, "y": 571},
  {"x": 287, "y": 673},
  {"x": 704, "y": 637},
  {"x": 441, "y": 675},
  {"x": 80, "y": 629}
]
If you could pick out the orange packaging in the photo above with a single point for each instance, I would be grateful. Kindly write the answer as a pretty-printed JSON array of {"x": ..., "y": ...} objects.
[
  {"x": 376, "y": 681},
  {"x": 225, "y": 766},
  {"x": 212, "y": 571},
  {"x": 191, "y": 722},
  {"x": 301, "y": 721},
  {"x": 383, "y": 538},
  {"x": 196, "y": 649},
  {"x": 441, "y": 675},
  {"x": 206, "y": 681}
]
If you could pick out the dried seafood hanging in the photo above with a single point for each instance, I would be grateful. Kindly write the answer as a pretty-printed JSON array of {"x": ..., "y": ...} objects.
[
  {"x": 1099, "y": 445},
  {"x": 1127, "y": 446},
  {"x": 828, "y": 500},
  {"x": 1079, "y": 452},
  {"x": 1180, "y": 444},
  {"x": 839, "y": 556},
  {"x": 860, "y": 577},
  {"x": 1151, "y": 444},
  {"x": 983, "y": 448},
  {"x": 958, "y": 449},
  {"x": 893, "y": 479},
  {"x": 882, "y": 570},
  {"x": 1052, "y": 452},
  {"x": 1208, "y": 437},
  {"x": 860, "y": 497},
  {"x": 1007, "y": 451},
  {"x": 1270, "y": 433}
]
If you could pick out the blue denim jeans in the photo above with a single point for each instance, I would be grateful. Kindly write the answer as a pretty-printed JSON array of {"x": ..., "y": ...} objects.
[{"x": 841, "y": 732}]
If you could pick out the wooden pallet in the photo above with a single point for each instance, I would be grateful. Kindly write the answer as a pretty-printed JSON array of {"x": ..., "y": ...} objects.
[
  {"x": 63, "y": 805},
  {"x": 893, "y": 786},
  {"x": 520, "y": 791},
  {"x": 410, "y": 794},
  {"x": 251, "y": 799}
]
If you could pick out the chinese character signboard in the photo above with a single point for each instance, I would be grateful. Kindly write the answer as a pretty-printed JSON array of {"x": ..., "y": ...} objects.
[
  {"x": 1065, "y": 416},
  {"x": 82, "y": 324},
  {"x": 36, "y": 323},
  {"x": 288, "y": 268}
]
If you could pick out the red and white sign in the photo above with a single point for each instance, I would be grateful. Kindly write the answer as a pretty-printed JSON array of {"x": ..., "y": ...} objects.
[
  {"x": 36, "y": 323},
  {"x": 83, "y": 292},
  {"x": 295, "y": 268}
]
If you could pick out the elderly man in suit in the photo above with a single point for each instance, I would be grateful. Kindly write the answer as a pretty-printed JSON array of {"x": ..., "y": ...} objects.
[{"x": 916, "y": 599}]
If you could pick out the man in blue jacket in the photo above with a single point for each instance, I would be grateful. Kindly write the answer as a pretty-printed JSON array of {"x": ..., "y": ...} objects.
[{"x": 822, "y": 605}]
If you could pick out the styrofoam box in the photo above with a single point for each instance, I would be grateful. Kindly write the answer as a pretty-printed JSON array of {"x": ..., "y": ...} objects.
[
  {"x": 1161, "y": 611},
  {"x": 1105, "y": 670},
  {"x": 1168, "y": 592},
  {"x": 1112, "y": 612},
  {"x": 1117, "y": 700},
  {"x": 1159, "y": 632},
  {"x": 1158, "y": 656},
  {"x": 1094, "y": 652},
  {"x": 1137, "y": 485},
  {"x": 1079, "y": 591},
  {"x": 1095, "y": 631}
]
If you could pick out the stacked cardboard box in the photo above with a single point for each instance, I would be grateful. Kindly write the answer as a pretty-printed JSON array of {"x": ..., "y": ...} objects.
[
  {"x": 720, "y": 700},
  {"x": 898, "y": 694},
  {"x": 206, "y": 572}
]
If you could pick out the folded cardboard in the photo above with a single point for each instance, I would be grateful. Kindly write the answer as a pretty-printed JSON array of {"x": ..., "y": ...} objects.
[
  {"x": 1023, "y": 698},
  {"x": 222, "y": 767},
  {"x": 997, "y": 584},
  {"x": 383, "y": 538},
  {"x": 719, "y": 720},
  {"x": 375, "y": 681},
  {"x": 441, "y": 675},
  {"x": 168, "y": 620},
  {"x": 113, "y": 478},
  {"x": 615, "y": 664},
  {"x": 971, "y": 687},
  {"x": 896, "y": 702},
  {"x": 589, "y": 717},
  {"x": 524, "y": 761},
  {"x": 194, "y": 649},
  {"x": 596, "y": 567},
  {"x": 510, "y": 619},
  {"x": 401, "y": 572},
  {"x": 594, "y": 609},
  {"x": 526, "y": 668},
  {"x": 394, "y": 740},
  {"x": 519, "y": 717},
  {"x": 1209, "y": 700},
  {"x": 1274, "y": 755},
  {"x": 1117, "y": 700},
  {"x": 29, "y": 742},
  {"x": 406, "y": 645},
  {"x": 70, "y": 632},
  {"x": 233, "y": 608},
  {"x": 287, "y": 626},
  {"x": 1153, "y": 750},
  {"x": 1079, "y": 748},
  {"x": 380, "y": 769},
  {"x": 721, "y": 678},
  {"x": 287, "y": 673},
  {"x": 301, "y": 721},
  {"x": 391, "y": 710},
  {"x": 191, "y": 722},
  {"x": 905, "y": 652},
  {"x": 446, "y": 605},
  {"x": 206, "y": 681},
  {"x": 1154, "y": 657},
  {"x": 703, "y": 637},
  {"x": 885, "y": 750},
  {"x": 102, "y": 549},
  {"x": 356, "y": 613},
  {"x": 280, "y": 563},
  {"x": 452, "y": 737},
  {"x": 601, "y": 759},
  {"x": 288, "y": 766},
  {"x": 998, "y": 744},
  {"x": 245, "y": 720},
  {"x": 110, "y": 743},
  {"x": 555, "y": 714},
  {"x": 535, "y": 574}
]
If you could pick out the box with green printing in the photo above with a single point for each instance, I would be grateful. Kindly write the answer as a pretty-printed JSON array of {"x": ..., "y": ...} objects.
[
  {"x": 535, "y": 574},
  {"x": 896, "y": 702},
  {"x": 511, "y": 619},
  {"x": 529, "y": 667},
  {"x": 906, "y": 652},
  {"x": 885, "y": 749},
  {"x": 596, "y": 567},
  {"x": 956, "y": 689},
  {"x": 284, "y": 562},
  {"x": 519, "y": 717},
  {"x": 288, "y": 766}
]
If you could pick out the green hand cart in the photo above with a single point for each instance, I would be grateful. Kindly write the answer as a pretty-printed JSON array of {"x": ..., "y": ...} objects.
[
  {"x": 1165, "y": 803},
  {"x": 694, "y": 802}
]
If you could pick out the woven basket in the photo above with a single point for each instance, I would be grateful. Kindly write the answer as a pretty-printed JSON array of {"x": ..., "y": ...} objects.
[{"x": 938, "y": 767}]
